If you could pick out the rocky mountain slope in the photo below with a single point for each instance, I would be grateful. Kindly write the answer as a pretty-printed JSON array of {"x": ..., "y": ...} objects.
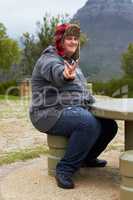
[{"x": 109, "y": 27}]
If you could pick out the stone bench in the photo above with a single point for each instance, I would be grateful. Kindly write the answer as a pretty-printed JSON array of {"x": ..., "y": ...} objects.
[
  {"x": 57, "y": 146},
  {"x": 126, "y": 170}
]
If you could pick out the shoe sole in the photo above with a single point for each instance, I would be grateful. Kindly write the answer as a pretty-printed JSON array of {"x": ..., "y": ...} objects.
[{"x": 63, "y": 186}]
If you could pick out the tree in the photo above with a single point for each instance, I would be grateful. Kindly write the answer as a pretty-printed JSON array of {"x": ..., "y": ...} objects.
[
  {"x": 2, "y": 31},
  {"x": 9, "y": 50},
  {"x": 127, "y": 61},
  {"x": 34, "y": 45},
  {"x": 30, "y": 53}
]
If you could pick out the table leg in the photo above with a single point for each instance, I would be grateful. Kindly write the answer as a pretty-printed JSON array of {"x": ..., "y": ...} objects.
[{"x": 128, "y": 135}]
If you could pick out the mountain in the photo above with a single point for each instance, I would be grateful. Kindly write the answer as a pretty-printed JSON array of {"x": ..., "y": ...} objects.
[{"x": 109, "y": 27}]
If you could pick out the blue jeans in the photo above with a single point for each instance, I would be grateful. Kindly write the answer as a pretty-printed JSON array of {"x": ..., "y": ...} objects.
[{"x": 88, "y": 137}]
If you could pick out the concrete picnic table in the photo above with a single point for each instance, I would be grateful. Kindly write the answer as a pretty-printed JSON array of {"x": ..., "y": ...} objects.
[{"x": 117, "y": 109}]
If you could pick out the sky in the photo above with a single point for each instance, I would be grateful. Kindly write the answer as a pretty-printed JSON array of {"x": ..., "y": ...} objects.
[{"x": 20, "y": 16}]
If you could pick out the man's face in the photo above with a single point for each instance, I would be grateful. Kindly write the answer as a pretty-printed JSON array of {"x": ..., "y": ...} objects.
[{"x": 70, "y": 45}]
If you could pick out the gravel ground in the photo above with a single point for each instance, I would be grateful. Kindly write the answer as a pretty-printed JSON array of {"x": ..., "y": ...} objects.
[
  {"x": 29, "y": 180},
  {"x": 17, "y": 132}
]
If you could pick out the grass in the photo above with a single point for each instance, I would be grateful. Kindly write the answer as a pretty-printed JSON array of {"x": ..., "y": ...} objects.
[
  {"x": 10, "y": 97},
  {"x": 23, "y": 155}
]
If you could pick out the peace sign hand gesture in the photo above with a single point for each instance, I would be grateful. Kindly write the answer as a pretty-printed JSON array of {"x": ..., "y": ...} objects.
[{"x": 70, "y": 70}]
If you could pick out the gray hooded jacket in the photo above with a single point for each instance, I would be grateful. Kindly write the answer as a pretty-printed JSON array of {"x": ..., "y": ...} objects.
[{"x": 51, "y": 92}]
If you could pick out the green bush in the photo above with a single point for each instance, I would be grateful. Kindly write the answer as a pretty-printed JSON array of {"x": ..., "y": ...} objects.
[
  {"x": 11, "y": 87},
  {"x": 115, "y": 87}
]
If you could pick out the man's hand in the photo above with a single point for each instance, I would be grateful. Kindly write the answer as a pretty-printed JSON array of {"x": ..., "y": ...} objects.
[{"x": 70, "y": 70}]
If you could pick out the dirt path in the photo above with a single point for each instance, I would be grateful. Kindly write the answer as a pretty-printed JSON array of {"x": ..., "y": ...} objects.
[
  {"x": 30, "y": 181},
  {"x": 17, "y": 132}
]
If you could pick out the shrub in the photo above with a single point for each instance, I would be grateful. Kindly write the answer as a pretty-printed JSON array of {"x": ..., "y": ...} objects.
[
  {"x": 11, "y": 87},
  {"x": 115, "y": 87}
]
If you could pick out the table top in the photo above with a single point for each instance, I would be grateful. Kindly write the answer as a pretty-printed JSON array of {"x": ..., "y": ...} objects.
[{"x": 121, "y": 108}]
